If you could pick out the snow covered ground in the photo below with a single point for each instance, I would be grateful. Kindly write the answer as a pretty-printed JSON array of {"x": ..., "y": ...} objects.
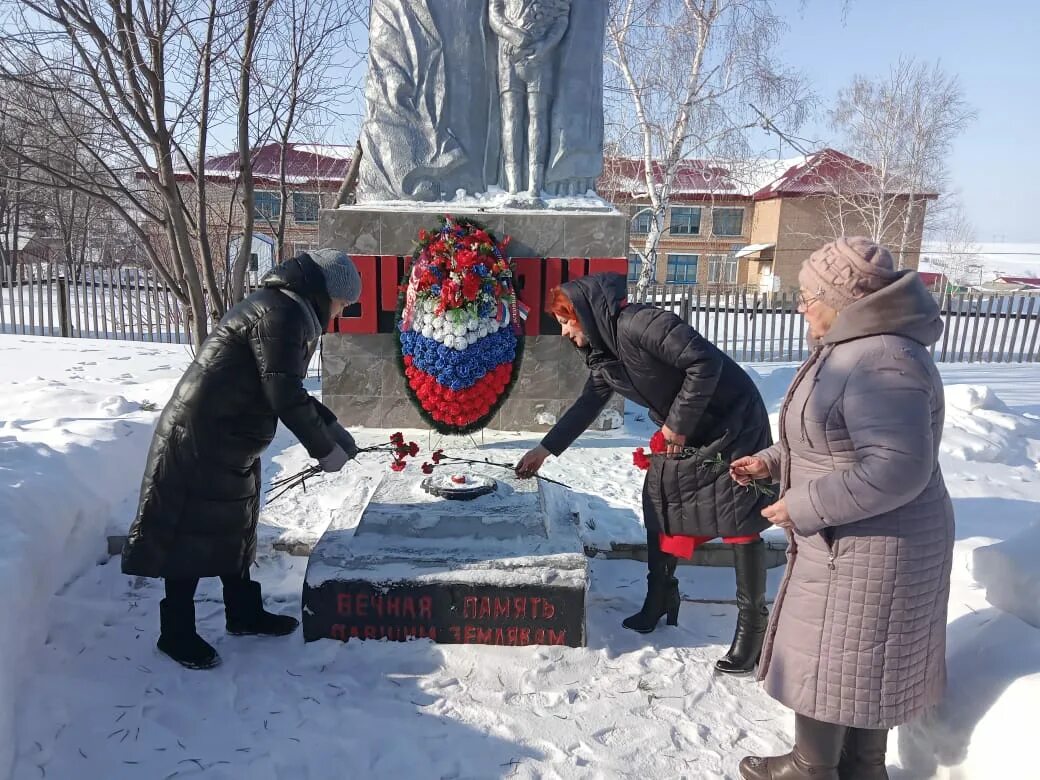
[{"x": 83, "y": 693}]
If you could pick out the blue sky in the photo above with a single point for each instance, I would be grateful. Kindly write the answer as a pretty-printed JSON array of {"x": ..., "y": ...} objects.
[{"x": 992, "y": 46}]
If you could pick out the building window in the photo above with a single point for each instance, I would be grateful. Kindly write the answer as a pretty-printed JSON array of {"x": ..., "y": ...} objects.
[
  {"x": 682, "y": 269},
  {"x": 727, "y": 222},
  {"x": 254, "y": 262},
  {"x": 642, "y": 222},
  {"x": 305, "y": 206},
  {"x": 300, "y": 247},
  {"x": 722, "y": 269},
  {"x": 267, "y": 205},
  {"x": 685, "y": 221},
  {"x": 635, "y": 267}
]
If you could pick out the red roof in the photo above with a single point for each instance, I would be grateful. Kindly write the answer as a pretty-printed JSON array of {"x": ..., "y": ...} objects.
[
  {"x": 821, "y": 173},
  {"x": 626, "y": 176},
  {"x": 931, "y": 278},
  {"x": 304, "y": 164},
  {"x": 1026, "y": 280},
  {"x": 824, "y": 173}
]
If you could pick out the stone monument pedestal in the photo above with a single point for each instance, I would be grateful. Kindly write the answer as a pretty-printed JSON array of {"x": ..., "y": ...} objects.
[
  {"x": 506, "y": 568},
  {"x": 361, "y": 378}
]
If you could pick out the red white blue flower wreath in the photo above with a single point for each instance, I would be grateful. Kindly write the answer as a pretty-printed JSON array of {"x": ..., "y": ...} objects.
[{"x": 459, "y": 331}]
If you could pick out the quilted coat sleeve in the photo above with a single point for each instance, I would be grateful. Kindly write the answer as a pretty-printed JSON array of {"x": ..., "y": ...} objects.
[
  {"x": 279, "y": 346},
  {"x": 887, "y": 410},
  {"x": 772, "y": 456},
  {"x": 582, "y": 413},
  {"x": 675, "y": 343}
]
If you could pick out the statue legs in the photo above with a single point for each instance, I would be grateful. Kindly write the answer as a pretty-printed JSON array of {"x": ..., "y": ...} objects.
[
  {"x": 512, "y": 101},
  {"x": 537, "y": 142}
]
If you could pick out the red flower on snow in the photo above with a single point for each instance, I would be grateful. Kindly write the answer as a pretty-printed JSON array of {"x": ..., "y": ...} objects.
[
  {"x": 427, "y": 468},
  {"x": 397, "y": 465}
]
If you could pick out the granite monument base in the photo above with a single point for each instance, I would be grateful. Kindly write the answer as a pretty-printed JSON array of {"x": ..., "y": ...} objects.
[{"x": 506, "y": 568}]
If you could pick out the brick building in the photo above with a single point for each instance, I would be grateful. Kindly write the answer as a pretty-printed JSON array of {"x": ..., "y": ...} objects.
[
  {"x": 748, "y": 225},
  {"x": 314, "y": 173}
]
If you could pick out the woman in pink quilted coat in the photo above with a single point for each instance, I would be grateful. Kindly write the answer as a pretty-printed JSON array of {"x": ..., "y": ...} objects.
[{"x": 856, "y": 644}]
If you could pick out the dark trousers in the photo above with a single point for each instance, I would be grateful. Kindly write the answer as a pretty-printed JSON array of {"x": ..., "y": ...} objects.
[{"x": 180, "y": 589}]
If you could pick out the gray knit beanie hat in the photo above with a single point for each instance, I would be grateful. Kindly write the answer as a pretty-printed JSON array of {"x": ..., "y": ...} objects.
[{"x": 342, "y": 280}]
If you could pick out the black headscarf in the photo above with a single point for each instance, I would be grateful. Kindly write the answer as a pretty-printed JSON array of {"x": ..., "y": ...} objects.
[{"x": 598, "y": 300}]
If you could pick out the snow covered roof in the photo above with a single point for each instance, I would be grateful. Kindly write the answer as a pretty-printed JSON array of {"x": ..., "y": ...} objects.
[
  {"x": 817, "y": 174},
  {"x": 694, "y": 179},
  {"x": 304, "y": 164}
]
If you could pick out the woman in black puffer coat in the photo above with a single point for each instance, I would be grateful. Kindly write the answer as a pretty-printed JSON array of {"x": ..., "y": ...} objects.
[
  {"x": 200, "y": 495},
  {"x": 706, "y": 407}
]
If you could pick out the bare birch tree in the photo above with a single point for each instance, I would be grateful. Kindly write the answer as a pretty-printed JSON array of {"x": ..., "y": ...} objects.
[
  {"x": 300, "y": 79},
  {"x": 900, "y": 129},
  {"x": 680, "y": 76}
]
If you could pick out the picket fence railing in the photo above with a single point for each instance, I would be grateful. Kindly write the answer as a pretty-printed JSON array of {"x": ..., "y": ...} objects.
[{"x": 88, "y": 301}]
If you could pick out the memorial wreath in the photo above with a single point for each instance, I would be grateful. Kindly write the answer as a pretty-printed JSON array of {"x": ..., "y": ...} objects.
[{"x": 459, "y": 327}]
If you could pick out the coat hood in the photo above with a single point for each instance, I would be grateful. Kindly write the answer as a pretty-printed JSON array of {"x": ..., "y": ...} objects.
[
  {"x": 598, "y": 300},
  {"x": 903, "y": 308},
  {"x": 301, "y": 276}
]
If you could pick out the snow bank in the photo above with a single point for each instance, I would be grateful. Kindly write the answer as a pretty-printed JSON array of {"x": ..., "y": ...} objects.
[
  {"x": 71, "y": 454},
  {"x": 980, "y": 427},
  {"x": 1010, "y": 572}
]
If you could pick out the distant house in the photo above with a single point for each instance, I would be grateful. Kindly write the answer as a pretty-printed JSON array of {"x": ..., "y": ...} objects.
[
  {"x": 314, "y": 174},
  {"x": 1021, "y": 282},
  {"x": 749, "y": 224}
]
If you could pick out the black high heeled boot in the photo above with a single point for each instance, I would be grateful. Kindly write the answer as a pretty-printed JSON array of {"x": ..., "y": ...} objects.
[
  {"x": 245, "y": 613},
  {"x": 864, "y": 755},
  {"x": 752, "y": 616},
  {"x": 817, "y": 750},
  {"x": 662, "y": 597}
]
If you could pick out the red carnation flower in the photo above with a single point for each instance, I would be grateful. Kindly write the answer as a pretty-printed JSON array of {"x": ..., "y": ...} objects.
[
  {"x": 438, "y": 456},
  {"x": 397, "y": 438},
  {"x": 471, "y": 287},
  {"x": 427, "y": 468},
  {"x": 657, "y": 443},
  {"x": 413, "y": 449},
  {"x": 640, "y": 460},
  {"x": 397, "y": 465}
]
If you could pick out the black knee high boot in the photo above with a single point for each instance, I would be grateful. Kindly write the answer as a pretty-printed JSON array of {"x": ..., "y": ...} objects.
[
  {"x": 864, "y": 755},
  {"x": 244, "y": 609},
  {"x": 752, "y": 615},
  {"x": 817, "y": 750},
  {"x": 178, "y": 638},
  {"x": 662, "y": 590}
]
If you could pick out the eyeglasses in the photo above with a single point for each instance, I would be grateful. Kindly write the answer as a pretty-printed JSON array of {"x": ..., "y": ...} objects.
[{"x": 805, "y": 301}]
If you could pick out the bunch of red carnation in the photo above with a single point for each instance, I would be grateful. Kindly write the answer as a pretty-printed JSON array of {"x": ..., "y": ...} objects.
[
  {"x": 657, "y": 446},
  {"x": 401, "y": 450}
]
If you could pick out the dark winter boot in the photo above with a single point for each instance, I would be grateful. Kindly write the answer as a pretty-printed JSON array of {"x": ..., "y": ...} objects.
[
  {"x": 864, "y": 755},
  {"x": 817, "y": 750},
  {"x": 178, "y": 638},
  {"x": 752, "y": 616},
  {"x": 244, "y": 609},
  {"x": 662, "y": 597}
]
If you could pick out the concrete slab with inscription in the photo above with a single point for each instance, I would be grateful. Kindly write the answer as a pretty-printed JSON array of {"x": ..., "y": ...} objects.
[{"x": 507, "y": 568}]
